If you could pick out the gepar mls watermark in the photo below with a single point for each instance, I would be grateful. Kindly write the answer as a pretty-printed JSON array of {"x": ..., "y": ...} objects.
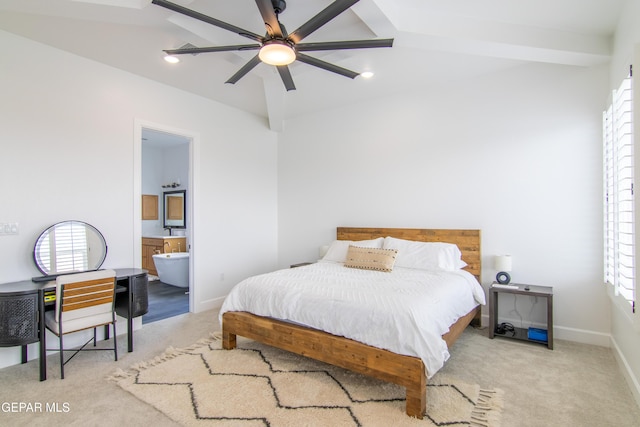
[{"x": 35, "y": 407}]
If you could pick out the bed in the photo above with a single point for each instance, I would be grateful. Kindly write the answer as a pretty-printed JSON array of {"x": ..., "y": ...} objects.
[{"x": 398, "y": 366}]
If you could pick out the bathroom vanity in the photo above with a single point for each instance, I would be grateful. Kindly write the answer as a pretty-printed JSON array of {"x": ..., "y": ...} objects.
[{"x": 160, "y": 245}]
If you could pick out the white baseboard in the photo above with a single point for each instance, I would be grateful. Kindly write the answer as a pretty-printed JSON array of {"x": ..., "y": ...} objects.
[
  {"x": 582, "y": 336},
  {"x": 564, "y": 333},
  {"x": 634, "y": 383},
  {"x": 211, "y": 304}
]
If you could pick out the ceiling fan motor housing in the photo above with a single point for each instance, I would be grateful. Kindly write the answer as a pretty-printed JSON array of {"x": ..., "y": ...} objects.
[{"x": 279, "y": 6}]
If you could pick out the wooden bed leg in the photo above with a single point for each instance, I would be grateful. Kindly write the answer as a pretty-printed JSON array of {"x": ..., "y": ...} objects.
[
  {"x": 417, "y": 394},
  {"x": 228, "y": 340},
  {"x": 417, "y": 401}
]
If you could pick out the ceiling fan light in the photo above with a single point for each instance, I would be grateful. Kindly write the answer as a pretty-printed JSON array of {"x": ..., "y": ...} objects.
[
  {"x": 171, "y": 59},
  {"x": 277, "y": 52}
]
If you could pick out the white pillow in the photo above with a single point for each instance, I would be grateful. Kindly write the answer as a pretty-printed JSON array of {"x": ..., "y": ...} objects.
[
  {"x": 425, "y": 255},
  {"x": 337, "y": 252}
]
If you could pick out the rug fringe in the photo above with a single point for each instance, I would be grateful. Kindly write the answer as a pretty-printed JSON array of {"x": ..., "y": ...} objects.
[
  {"x": 168, "y": 354},
  {"x": 119, "y": 374},
  {"x": 488, "y": 403},
  {"x": 488, "y": 408}
]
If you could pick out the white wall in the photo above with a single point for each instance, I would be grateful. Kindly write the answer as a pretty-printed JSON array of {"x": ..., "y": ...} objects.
[
  {"x": 67, "y": 135},
  {"x": 516, "y": 154},
  {"x": 162, "y": 166},
  {"x": 625, "y": 330}
]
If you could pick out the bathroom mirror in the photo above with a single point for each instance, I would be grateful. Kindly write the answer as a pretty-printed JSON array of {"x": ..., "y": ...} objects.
[
  {"x": 175, "y": 209},
  {"x": 69, "y": 247}
]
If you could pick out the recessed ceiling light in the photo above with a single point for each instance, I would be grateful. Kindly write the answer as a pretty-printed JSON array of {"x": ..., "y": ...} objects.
[
  {"x": 172, "y": 59},
  {"x": 367, "y": 74}
]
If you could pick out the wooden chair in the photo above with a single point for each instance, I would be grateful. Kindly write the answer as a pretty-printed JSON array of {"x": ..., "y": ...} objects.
[{"x": 83, "y": 301}]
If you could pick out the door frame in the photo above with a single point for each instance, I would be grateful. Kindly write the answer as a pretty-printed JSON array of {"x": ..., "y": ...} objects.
[{"x": 194, "y": 143}]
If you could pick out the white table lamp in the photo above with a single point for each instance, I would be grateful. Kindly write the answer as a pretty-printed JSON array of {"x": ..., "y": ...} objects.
[{"x": 503, "y": 265}]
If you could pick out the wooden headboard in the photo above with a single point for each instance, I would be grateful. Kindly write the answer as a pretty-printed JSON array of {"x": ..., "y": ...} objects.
[{"x": 467, "y": 240}]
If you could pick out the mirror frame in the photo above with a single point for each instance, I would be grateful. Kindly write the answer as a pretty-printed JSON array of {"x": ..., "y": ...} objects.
[
  {"x": 95, "y": 266},
  {"x": 168, "y": 223}
]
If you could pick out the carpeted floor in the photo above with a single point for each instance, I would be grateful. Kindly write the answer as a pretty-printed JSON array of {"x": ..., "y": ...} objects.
[
  {"x": 572, "y": 385},
  {"x": 259, "y": 385}
]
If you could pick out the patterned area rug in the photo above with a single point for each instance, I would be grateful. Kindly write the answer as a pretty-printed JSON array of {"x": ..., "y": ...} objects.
[{"x": 257, "y": 385}]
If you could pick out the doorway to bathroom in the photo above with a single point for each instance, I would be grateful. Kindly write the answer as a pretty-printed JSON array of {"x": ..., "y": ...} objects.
[{"x": 165, "y": 226}]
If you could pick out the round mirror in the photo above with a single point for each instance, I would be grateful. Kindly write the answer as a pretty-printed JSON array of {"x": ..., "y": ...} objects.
[{"x": 69, "y": 247}]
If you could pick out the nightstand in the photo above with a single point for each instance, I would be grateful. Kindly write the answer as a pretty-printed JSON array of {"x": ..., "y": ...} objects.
[
  {"x": 300, "y": 264},
  {"x": 523, "y": 334}
]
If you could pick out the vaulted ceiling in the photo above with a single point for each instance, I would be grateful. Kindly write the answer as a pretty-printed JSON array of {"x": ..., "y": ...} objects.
[{"x": 436, "y": 42}]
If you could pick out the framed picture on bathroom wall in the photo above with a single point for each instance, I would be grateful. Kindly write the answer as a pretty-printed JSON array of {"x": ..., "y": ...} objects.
[
  {"x": 174, "y": 208},
  {"x": 149, "y": 206}
]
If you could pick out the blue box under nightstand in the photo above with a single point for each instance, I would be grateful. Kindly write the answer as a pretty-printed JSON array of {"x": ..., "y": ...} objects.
[{"x": 537, "y": 334}]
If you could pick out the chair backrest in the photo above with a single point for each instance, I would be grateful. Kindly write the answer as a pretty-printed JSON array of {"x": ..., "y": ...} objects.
[{"x": 84, "y": 294}]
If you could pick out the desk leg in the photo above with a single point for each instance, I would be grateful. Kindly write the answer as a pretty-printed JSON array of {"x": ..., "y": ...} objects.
[
  {"x": 25, "y": 354},
  {"x": 130, "y": 316},
  {"x": 130, "y": 335},
  {"x": 43, "y": 337}
]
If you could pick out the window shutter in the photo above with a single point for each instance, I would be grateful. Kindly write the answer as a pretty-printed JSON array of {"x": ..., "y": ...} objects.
[{"x": 619, "y": 224}]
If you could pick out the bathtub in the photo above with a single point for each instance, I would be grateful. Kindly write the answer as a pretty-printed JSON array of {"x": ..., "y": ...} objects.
[{"x": 173, "y": 268}]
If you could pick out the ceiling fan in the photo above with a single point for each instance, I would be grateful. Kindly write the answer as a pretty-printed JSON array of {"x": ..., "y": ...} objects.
[{"x": 278, "y": 47}]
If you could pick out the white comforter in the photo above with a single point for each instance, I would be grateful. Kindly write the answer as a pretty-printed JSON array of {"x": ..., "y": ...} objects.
[{"x": 405, "y": 311}]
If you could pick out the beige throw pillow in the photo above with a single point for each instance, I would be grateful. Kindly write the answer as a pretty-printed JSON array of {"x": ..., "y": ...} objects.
[{"x": 371, "y": 258}]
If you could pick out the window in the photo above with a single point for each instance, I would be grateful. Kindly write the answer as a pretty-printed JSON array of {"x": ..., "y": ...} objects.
[{"x": 619, "y": 250}]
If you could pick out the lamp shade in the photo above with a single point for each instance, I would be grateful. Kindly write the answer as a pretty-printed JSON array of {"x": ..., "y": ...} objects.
[{"x": 503, "y": 262}]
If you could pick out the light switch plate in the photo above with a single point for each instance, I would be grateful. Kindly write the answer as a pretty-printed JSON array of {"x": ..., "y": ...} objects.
[{"x": 8, "y": 228}]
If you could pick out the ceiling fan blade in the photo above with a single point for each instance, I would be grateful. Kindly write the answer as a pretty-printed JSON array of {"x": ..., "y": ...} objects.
[
  {"x": 330, "y": 12},
  {"x": 270, "y": 18},
  {"x": 209, "y": 20},
  {"x": 196, "y": 50},
  {"x": 244, "y": 70},
  {"x": 285, "y": 74},
  {"x": 326, "y": 66},
  {"x": 353, "y": 44}
]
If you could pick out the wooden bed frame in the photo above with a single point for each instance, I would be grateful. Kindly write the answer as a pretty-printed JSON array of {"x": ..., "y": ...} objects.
[{"x": 406, "y": 371}]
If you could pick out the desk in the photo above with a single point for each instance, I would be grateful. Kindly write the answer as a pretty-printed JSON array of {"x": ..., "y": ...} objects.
[{"x": 22, "y": 308}]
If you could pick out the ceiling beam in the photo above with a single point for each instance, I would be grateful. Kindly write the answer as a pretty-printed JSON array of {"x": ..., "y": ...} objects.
[
  {"x": 275, "y": 94},
  {"x": 374, "y": 18},
  {"x": 457, "y": 33}
]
